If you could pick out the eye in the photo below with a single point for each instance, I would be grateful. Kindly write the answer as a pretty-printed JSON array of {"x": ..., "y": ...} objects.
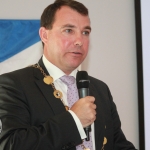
[
  {"x": 86, "y": 33},
  {"x": 68, "y": 30}
]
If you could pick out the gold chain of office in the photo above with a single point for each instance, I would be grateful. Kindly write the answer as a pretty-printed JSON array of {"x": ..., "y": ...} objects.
[{"x": 49, "y": 81}]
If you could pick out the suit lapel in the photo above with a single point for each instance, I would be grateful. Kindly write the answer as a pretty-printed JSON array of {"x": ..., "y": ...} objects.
[
  {"x": 99, "y": 123},
  {"x": 47, "y": 90}
]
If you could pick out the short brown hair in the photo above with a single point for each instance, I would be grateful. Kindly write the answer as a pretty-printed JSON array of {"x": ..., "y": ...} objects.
[{"x": 48, "y": 15}]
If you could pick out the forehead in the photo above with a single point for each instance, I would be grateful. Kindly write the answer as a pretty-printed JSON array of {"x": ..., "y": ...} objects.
[{"x": 66, "y": 15}]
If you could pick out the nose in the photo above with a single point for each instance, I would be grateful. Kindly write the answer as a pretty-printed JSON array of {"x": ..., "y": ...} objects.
[{"x": 78, "y": 41}]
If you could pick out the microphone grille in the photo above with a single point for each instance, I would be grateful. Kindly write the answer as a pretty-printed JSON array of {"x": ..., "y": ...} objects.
[{"x": 82, "y": 79}]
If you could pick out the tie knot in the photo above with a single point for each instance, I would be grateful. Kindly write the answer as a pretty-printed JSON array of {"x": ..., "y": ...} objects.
[{"x": 68, "y": 79}]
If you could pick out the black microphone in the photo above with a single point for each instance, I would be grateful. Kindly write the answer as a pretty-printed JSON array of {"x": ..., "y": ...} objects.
[{"x": 83, "y": 89}]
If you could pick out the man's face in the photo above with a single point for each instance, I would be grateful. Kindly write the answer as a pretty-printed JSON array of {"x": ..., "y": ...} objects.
[{"x": 66, "y": 44}]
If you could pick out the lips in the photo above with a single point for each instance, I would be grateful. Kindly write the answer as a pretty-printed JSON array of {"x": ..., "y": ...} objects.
[{"x": 76, "y": 52}]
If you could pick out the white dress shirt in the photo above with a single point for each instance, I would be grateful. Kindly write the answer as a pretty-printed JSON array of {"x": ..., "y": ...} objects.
[{"x": 56, "y": 73}]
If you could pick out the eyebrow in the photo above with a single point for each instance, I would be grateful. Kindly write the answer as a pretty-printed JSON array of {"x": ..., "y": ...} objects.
[
  {"x": 88, "y": 27},
  {"x": 72, "y": 26}
]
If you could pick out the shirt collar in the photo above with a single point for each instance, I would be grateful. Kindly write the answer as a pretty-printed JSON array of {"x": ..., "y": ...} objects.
[{"x": 54, "y": 71}]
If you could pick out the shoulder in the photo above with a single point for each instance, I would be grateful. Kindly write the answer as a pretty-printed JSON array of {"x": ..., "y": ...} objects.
[
  {"x": 100, "y": 87},
  {"x": 96, "y": 82},
  {"x": 19, "y": 72},
  {"x": 21, "y": 75}
]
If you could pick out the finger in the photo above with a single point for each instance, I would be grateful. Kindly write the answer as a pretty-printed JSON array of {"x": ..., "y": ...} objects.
[
  {"x": 93, "y": 106},
  {"x": 92, "y": 119},
  {"x": 89, "y": 98}
]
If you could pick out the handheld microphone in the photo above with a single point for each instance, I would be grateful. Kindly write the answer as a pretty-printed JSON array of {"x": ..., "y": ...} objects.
[{"x": 83, "y": 89}]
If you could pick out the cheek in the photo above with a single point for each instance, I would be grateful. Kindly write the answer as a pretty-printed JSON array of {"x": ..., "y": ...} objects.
[
  {"x": 86, "y": 45},
  {"x": 66, "y": 43}
]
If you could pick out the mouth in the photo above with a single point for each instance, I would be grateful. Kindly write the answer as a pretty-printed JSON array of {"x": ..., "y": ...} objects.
[{"x": 77, "y": 53}]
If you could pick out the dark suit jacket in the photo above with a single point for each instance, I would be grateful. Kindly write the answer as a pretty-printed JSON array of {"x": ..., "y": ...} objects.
[{"x": 33, "y": 119}]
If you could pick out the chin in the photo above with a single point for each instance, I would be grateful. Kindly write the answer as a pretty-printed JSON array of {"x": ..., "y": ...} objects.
[
  {"x": 72, "y": 67},
  {"x": 73, "y": 64}
]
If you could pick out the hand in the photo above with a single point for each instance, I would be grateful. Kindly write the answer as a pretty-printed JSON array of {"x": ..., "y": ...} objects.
[{"x": 84, "y": 108}]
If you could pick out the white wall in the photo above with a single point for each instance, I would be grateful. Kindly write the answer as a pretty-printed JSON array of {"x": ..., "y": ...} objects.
[{"x": 112, "y": 55}]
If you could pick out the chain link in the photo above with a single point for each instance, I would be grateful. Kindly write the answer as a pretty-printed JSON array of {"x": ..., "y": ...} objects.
[{"x": 44, "y": 74}]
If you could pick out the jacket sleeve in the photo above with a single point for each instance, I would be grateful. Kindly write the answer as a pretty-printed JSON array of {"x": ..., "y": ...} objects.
[
  {"x": 108, "y": 132},
  {"x": 120, "y": 141},
  {"x": 17, "y": 133}
]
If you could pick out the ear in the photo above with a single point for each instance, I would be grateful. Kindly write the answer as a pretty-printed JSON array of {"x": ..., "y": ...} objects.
[{"x": 43, "y": 34}]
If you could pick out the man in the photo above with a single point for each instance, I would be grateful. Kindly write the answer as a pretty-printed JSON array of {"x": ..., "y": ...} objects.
[{"x": 33, "y": 100}]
